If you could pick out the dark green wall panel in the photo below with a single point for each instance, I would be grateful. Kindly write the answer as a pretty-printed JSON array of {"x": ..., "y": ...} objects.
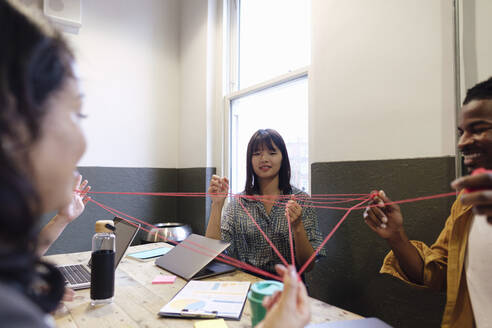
[
  {"x": 348, "y": 277},
  {"x": 152, "y": 209}
]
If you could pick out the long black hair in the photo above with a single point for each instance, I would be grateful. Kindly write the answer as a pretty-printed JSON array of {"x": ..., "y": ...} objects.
[
  {"x": 267, "y": 138},
  {"x": 34, "y": 63}
]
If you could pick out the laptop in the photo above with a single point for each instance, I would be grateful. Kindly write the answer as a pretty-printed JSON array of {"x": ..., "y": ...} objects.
[
  {"x": 189, "y": 264},
  {"x": 78, "y": 276}
]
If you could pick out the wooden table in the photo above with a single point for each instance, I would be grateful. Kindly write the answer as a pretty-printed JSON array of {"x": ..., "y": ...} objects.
[{"x": 137, "y": 301}]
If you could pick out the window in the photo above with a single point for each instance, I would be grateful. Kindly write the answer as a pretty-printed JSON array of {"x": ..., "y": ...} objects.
[
  {"x": 269, "y": 55},
  {"x": 273, "y": 39}
]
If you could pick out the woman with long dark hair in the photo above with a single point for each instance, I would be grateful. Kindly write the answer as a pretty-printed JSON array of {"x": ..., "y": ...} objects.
[
  {"x": 40, "y": 144},
  {"x": 268, "y": 176}
]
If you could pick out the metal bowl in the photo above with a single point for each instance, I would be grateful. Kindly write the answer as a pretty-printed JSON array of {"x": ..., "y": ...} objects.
[{"x": 174, "y": 231}]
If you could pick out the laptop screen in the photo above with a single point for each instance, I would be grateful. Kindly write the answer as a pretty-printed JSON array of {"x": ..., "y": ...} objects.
[{"x": 124, "y": 233}]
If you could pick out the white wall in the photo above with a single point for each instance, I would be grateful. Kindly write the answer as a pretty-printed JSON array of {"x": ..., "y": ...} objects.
[
  {"x": 149, "y": 69},
  {"x": 193, "y": 99},
  {"x": 200, "y": 55},
  {"x": 476, "y": 26},
  {"x": 128, "y": 60},
  {"x": 381, "y": 80}
]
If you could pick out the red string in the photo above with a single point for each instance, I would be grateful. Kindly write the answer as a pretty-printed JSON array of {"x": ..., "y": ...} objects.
[
  {"x": 327, "y": 199},
  {"x": 236, "y": 262},
  {"x": 290, "y": 238},
  {"x": 411, "y": 200},
  {"x": 271, "y": 199},
  {"x": 264, "y": 234},
  {"x": 221, "y": 257},
  {"x": 311, "y": 258}
]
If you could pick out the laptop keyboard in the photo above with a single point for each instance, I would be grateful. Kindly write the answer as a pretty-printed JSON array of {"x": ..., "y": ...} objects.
[{"x": 75, "y": 274}]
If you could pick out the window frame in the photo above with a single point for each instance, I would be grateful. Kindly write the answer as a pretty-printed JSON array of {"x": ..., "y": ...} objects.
[{"x": 231, "y": 85}]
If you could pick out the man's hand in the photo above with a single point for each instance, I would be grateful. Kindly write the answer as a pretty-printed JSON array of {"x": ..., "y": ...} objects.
[
  {"x": 480, "y": 194},
  {"x": 385, "y": 220}
]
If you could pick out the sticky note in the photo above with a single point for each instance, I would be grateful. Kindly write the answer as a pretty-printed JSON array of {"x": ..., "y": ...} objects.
[
  {"x": 161, "y": 279},
  {"x": 213, "y": 323}
]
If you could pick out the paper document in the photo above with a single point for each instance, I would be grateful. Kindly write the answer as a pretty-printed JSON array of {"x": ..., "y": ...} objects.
[{"x": 208, "y": 299}]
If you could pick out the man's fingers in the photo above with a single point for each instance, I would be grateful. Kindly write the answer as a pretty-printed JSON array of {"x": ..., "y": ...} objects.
[
  {"x": 483, "y": 210},
  {"x": 477, "y": 198},
  {"x": 373, "y": 218},
  {"x": 380, "y": 215},
  {"x": 388, "y": 207},
  {"x": 371, "y": 225},
  {"x": 479, "y": 181}
]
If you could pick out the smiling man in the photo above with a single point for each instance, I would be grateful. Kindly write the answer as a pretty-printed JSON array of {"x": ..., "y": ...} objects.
[{"x": 459, "y": 260}]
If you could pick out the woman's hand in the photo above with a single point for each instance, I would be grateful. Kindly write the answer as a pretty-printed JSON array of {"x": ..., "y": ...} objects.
[
  {"x": 289, "y": 308},
  {"x": 69, "y": 295},
  {"x": 385, "y": 220},
  {"x": 78, "y": 202},
  {"x": 294, "y": 210},
  {"x": 218, "y": 189},
  {"x": 65, "y": 215}
]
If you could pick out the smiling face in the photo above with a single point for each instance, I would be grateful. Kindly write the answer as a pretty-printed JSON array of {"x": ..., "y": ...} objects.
[
  {"x": 266, "y": 161},
  {"x": 475, "y": 128}
]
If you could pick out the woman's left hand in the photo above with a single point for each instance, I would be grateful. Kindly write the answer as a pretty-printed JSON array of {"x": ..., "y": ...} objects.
[
  {"x": 78, "y": 202},
  {"x": 294, "y": 211}
]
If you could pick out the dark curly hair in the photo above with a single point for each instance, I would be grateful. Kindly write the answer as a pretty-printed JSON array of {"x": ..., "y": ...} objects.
[
  {"x": 34, "y": 63},
  {"x": 266, "y": 138},
  {"x": 480, "y": 91}
]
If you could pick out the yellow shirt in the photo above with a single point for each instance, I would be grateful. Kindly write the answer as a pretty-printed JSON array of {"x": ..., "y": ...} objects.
[{"x": 443, "y": 267}]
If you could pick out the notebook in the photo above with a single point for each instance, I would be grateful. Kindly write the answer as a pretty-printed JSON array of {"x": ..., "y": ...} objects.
[{"x": 78, "y": 276}]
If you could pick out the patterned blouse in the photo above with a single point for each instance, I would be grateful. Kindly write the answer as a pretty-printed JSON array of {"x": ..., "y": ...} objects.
[{"x": 247, "y": 243}]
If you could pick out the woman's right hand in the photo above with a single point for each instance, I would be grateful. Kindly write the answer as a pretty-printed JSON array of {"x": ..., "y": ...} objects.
[
  {"x": 385, "y": 220},
  {"x": 218, "y": 189},
  {"x": 289, "y": 308}
]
